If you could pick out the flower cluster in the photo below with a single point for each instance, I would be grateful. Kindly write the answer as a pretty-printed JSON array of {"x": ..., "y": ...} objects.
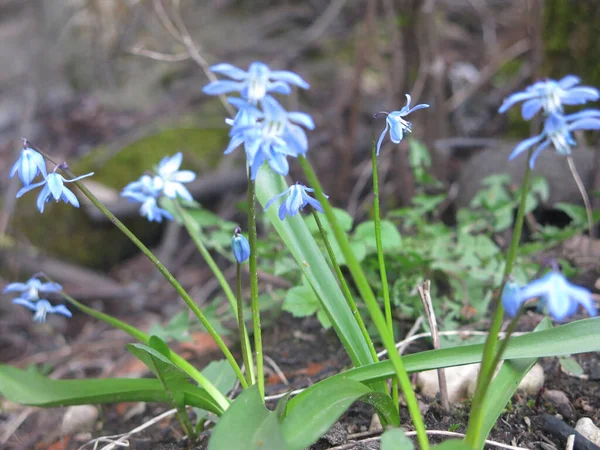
[
  {"x": 396, "y": 124},
  {"x": 550, "y": 97},
  {"x": 31, "y": 164},
  {"x": 30, "y": 296},
  {"x": 555, "y": 293},
  {"x": 168, "y": 181},
  {"x": 267, "y": 131}
]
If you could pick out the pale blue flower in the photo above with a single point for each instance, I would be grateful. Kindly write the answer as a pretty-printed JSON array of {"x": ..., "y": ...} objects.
[
  {"x": 560, "y": 297},
  {"x": 54, "y": 188},
  {"x": 170, "y": 178},
  {"x": 557, "y": 131},
  {"x": 511, "y": 298},
  {"x": 396, "y": 124},
  {"x": 274, "y": 135},
  {"x": 550, "y": 96},
  {"x": 28, "y": 166},
  {"x": 240, "y": 246},
  {"x": 254, "y": 84},
  {"x": 42, "y": 308},
  {"x": 146, "y": 190},
  {"x": 31, "y": 289},
  {"x": 297, "y": 199}
]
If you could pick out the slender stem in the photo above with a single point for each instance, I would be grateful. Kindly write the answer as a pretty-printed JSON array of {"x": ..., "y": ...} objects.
[
  {"x": 345, "y": 288},
  {"x": 383, "y": 273},
  {"x": 168, "y": 276},
  {"x": 584, "y": 195},
  {"x": 258, "y": 351},
  {"x": 194, "y": 373},
  {"x": 489, "y": 349},
  {"x": 194, "y": 232},
  {"x": 372, "y": 305},
  {"x": 246, "y": 351}
]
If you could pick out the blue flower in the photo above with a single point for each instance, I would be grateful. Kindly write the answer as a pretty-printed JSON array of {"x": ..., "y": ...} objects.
[
  {"x": 558, "y": 295},
  {"x": 31, "y": 289},
  {"x": 557, "y": 131},
  {"x": 396, "y": 124},
  {"x": 29, "y": 164},
  {"x": 511, "y": 298},
  {"x": 270, "y": 136},
  {"x": 54, "y": 188},
  {"x": 42, "y": 308},
  {"x": 297, "y": 199},
  {"x": 254, "y": 84},
  {"x": 146, "y": 191},
  {"x": 550, "y": 95},
  {"x": 240, "y": 246},
  {"x": 170, "y": 178}
]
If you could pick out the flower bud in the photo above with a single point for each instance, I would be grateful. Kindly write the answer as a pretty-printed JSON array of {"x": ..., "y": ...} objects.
[{"x": 240, "y": 246}]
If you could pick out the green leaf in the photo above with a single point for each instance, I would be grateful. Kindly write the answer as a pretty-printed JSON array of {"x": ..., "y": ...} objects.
[
  {"x": 395, "y": 439},
  {"x": 177, "y": 328},
  {"x": 247, "y": 422},
  {"x": 309, "y": 417},
  {"x": 301, "y": 301},
  {"x": 568, "y": 364},
  {"x": 301, "y": 244},
  {"x": 453, "y": 444},
  {"x": 33, "y": 389},
  {"x": 504, "y": 385},
  {"x": 390, "y": 236},
  {"x": 221, "y": 375},
  {"x": 575, "y": 212}
]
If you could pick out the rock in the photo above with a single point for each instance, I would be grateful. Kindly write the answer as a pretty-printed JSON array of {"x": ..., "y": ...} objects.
[
  {"x": 530, "y": 384},
  {"x": 78, "y": 419},
  {"x": 561, "y": 402},
  {"x": 457, "y": 378},
  {"x": 587, "y": 429}
]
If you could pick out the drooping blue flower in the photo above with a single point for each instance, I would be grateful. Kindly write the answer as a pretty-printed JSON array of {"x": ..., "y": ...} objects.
[
  {"x": 297, "y": 199},
  {"x": 54, "y": 188},
  {"x": 147, "y": 190},
  {"x": 28, "y": 166},
  {"x": 42, "y": 308},
  {"x": 32, "y": 288},
  {"x": 396, "y": 124},
  {"x": 560, "y": 297},
  {"x": 511, "y": 298},
  {"x": 240, "y": 246},
  {"x": 550, "y": 96},
  {"x": 170, "y": 178},
  {"x": 254, "y": 84},
  {"x": 557, "y": 131},
  {"x": 274, "y": 135}
]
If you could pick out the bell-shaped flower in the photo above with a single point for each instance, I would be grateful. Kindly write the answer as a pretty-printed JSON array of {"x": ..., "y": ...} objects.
[
  {"x": 560, "y": 297},
  {"x": 54, "y": 188},
  {"x": 273, "y": 136},
  {"x": 557, "y": 131},
  {"x": 42, "y": 308},
  {"x": 254, "y": 84},
  {"x": 28, "y": 166},
  {"x": 550, "y": 96},
  {"x": 240, "y": 246},
  {"x": 170, "y": 178},
  {"x": 396, "y": 123},
  {"x": 146, "y": 190},
  {"x": 32, "y": 288},
  {"x": 297, "y": 199},
  {"x": 511, "y": 298}
]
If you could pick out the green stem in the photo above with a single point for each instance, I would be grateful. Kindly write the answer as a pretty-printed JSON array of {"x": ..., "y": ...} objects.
[
  {"x": 489, "y": 350},
  {"x": 132, "y": 331},
  {"x": 383, "y": 273},
  {"x": 372, "y": 305},
  {"x": 168, "y": 276},
  {"x": 258, "y": 351},
  {"x": 246, "y": 351},
  {"x": 345, "y": 288},
  {"x": 194, "y": 232}
]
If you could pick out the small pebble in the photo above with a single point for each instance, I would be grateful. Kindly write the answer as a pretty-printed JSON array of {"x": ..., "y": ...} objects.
[
  {"x": 79, "y": 419},
  {"x": 586, "y": 427},
  {"x": 561, "y": 402}
]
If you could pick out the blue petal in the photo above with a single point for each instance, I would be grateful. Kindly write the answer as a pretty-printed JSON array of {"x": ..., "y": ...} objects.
[
  {"x": 396, "y": 134},
  {"x": 537, "y": 153},
  {"x": 583, "y": 297},
  {"x": 294, "y": 202},
  {"x": 60, "y": 309},
  {"x": 289, "y": 77},
  {"x": 15, "y": 287},
  {"x": 68, "y": 197},
  {"x": 537, "y": 288},
  {"x": 256, "y": 164},
  {"x": 303, "y": 119},
  {"x": 282, "y": 211},
  {"x": 585, "y": 124},
  {"x": 580, "y": 95},
  {"x": 524, "y": 145},
  {"x": 25, "y": 189},
  {"x": 417, "y": 107},
  {"x": 270, "y": 202},
  {"x": 568, "y": 81},
  {"x": 221, "y": 87},
  {"x": 279, "y": 164},
  {"x": 515, "y": 98},
  {"x": 229, "y": 70},
  {"x": 511, "y": 298},
  {"x": 313, "y": 202},
  {"x": 279, "y": 87},
  {"x": 26, "y": 303},
  {"x": 558, "y": 303},
  {"x": 582, "y": 114},
  {"x": 530, "y": 108},
  {"x": 55, "y": 185},
  {"x": 383, "y": 133},
  {"x": 43, "y": 197}
]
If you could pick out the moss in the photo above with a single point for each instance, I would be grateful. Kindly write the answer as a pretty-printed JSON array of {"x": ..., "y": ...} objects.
[{"x": 69, "y": 234}]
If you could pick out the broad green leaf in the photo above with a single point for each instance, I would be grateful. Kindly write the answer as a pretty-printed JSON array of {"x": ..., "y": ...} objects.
[
  {"x": 577, "y": 213},
  {"x": 301, "y": 244},
  {"x": 395, "y": 439},
  {"x": 301, "y": 301},
  {"x": 248, "y": 423},
  {"x": 503, "y": 386},
  {"x": 581, "y": 336},
  {"x": 177, "y": 328},
  {"x": 33, "y": 389},
  {"x": 570, "y": 365},
  {"x": 221, "y": 375},
  {"x": 309, "y": 417},
  {"x": 390, "y": 236}
]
